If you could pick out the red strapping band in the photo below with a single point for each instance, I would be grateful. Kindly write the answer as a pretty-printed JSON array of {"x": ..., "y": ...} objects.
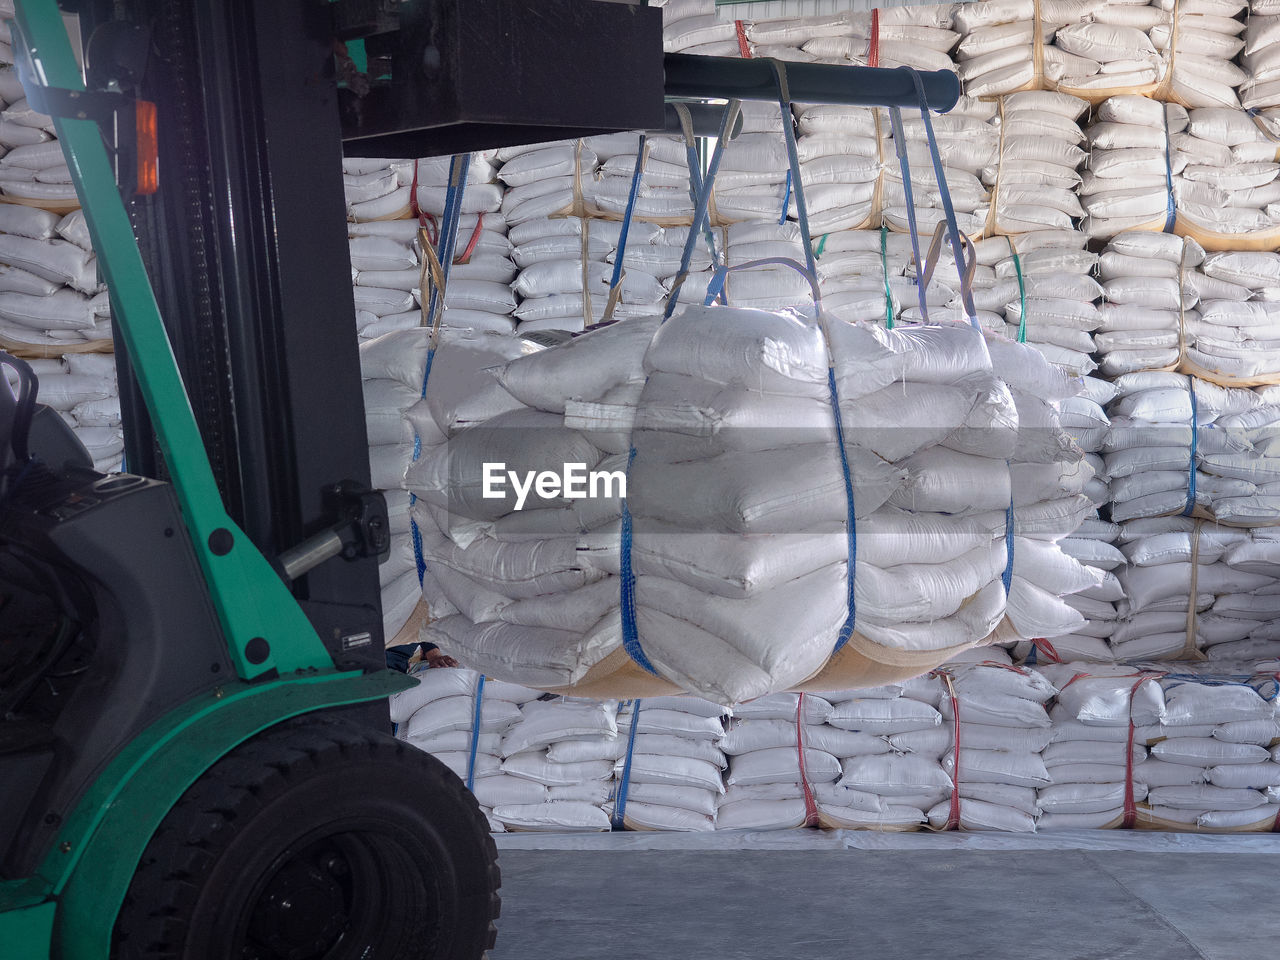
[
  {"x": 1047, "y": 649},
  {"x": 744, "y": 46},
  {"x": 1020, "y": 671},
  {"x": 953, "y": 815},
  {"x": 471, "y": 244},
  {"x": 1078, "y": 676},
  {"x": 810, "y": 805},
  {"x": 873, "y": 54},
  {"x": 1130, "y": 807}
]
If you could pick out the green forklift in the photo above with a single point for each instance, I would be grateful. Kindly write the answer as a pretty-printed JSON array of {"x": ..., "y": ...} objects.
[{"x": 195, "y": 755}]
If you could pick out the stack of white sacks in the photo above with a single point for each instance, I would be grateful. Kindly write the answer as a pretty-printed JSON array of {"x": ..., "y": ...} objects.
[
  {"x": 1059, "y": 293},
  {"x": 1063, "y": 746},
  {"x": 767, "y": 287},
  {"x": 844, "y": 153},
  {"x": 538, "y": 764},
  {"x": 852, "y": 777},
  {"x": 1212, "y": 164},
  {"x": 566, "y": 228},
  {"x": 1035, "y": 177},
  {"x": 1229, "y": 185},
  {"x": 1151, "y": 283},
  {"x": 999, "y": 721},
  {"x": 1235, "y": 336},
  {"x": 906, "y": 36},
  {"x": 381, "y": 190},
  {"x": 1150, "y": 448},
  {"x": 1229, "y": 616},
  {"x": 997, "y": 50},
  {"x": 668, "y": 775},
  {"x": 32, "y": 166},
  {"x": 1133, "y": 169},
  {"x": 1092, "y": 543},
  {"x": 50, "y": 293},
  {"x": 387, "y": 272},
  {"x": 1091, "y": 757},
  {"x": 1261, "y": 60},
  {"x": 856, "y": 266},
  {"x": 82, "y": 388},
  {"x": 967, "y": 144},
  {"x": 1198, "y": 43},
  {"x": 1208, "y": 764}
]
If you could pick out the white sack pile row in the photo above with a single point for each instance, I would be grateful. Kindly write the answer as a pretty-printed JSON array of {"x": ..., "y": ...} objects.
[
  {"x": 1221, "y": 164},
  {"x": 1261, "y": 61},
  {"x": 852, "y": 776},
  {"x": 1213, "y": 167},
  {"x": 532, "y": 764},
  {"x": 907, "y": 36},
  {"x": 1231, "y": 614},
  {"x": 1186, "y": 753},
  {"x": 50, "y": 294},
  {"x": 885, "y": 758},
  {"x": 592, "y": 177},
  {"x": 82, "y": 388},
  {"x": 383, "y": 189},
  {"x": 1173, "y": 50},
  {"x": 1035, "y": 179},
  {"x": 1160, "y": 420},
  {"x": 1172, "y": 305},
  {"x": 476, "y": 324},
  {"x": 853, "y": 177},
  {"x": 1057, "y": 290},
  {"x": 387, "y": 275},
  {"x": 1084, "y": 418},
  {"x": 669, "y": 776},
  {"x": 32, "y": 166}
]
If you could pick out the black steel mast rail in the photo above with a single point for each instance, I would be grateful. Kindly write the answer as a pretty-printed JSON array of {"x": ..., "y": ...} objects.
[{"x": 697, "y": 77}]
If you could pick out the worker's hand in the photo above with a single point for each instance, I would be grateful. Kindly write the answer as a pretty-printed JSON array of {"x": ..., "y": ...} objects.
[{"x": 435, "y": 658}]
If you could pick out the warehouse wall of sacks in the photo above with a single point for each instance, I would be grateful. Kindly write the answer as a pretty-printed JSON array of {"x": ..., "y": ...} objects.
[{"x": 1121, "y": 202}]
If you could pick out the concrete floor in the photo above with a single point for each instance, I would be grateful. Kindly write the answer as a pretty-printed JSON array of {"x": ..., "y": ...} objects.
[{"x": 620, "y": 901}]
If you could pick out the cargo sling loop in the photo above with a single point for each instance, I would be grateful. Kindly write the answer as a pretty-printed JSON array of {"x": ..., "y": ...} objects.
[
  {"x": 810, "y": 272},
  {"x": 959, "y": 244},
  {"x": 619, "y": 273},
  {"x": 435, "y": 268},
  {"x": 627, "y": 580},
  {"x": 695, "y": 185}
]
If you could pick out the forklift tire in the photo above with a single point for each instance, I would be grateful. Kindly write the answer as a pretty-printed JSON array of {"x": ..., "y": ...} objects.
[{"x": 316, "y": 840}]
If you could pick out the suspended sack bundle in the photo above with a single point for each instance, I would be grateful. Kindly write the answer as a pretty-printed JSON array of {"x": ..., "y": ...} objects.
[{"x": 737, "y": 490}]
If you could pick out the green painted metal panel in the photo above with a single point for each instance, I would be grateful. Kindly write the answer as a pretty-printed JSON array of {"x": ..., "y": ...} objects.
[{"x": 26, "y": 933}]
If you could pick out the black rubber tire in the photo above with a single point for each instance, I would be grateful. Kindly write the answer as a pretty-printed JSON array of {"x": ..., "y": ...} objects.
[{"x": 247, "y": 853}]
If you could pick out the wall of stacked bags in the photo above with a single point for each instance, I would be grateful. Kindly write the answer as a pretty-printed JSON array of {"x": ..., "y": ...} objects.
[
  {"x": 1120, "y": 197},
  {"x": 981, "y": 745}
]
